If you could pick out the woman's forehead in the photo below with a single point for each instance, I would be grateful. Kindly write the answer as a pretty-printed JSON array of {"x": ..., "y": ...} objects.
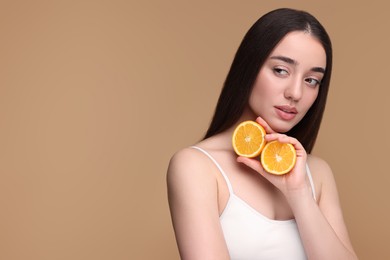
[{"x": 301, "y": 47}]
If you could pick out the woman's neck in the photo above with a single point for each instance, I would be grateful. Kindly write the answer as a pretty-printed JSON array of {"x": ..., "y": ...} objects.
[{"x": 223, "y": 140}]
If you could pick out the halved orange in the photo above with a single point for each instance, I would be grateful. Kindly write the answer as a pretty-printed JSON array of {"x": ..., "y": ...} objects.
[
  {"x": 248, "y": 139},
  {"x": 278, "y": 158}
]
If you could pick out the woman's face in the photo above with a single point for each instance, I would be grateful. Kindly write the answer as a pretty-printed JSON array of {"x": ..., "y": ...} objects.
[{"x": 288, "y": 82}]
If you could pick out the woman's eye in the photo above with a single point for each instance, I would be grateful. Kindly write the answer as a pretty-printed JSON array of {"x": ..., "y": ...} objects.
[
  {"x": 280, "y": 71},
  {"x": 312, "y": 82}
]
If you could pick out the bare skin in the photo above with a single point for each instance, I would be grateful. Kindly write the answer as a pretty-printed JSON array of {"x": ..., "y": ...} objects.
[{"x": 198, "y": 193}]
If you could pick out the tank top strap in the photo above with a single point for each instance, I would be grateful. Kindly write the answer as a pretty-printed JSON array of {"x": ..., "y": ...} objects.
[
  {"x": 229, "y": 185},
  {"x": 313, "y": 190}
]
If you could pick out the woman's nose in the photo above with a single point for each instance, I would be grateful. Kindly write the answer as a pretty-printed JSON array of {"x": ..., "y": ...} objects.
[{"x": 294, "y": 90}]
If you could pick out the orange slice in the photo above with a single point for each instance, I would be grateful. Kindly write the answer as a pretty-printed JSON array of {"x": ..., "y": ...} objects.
[
  {"x": 248, "y": 139},
  {"x": 278, "y": 158}
]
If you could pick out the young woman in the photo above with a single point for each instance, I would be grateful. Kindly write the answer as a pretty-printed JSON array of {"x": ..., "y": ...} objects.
[{"x": 228, "y": 207}]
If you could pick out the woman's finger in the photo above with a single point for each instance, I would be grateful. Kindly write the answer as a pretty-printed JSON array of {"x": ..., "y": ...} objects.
[
  {"x": 282, "y": 138},
  {"x": 301, "y": 152},
  {"x": 264, "y": 124}
]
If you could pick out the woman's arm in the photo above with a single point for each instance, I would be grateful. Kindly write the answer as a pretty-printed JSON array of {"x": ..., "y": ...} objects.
[
  {"x": 321, "y": 226},
  {"x": 192, "y": 196}
]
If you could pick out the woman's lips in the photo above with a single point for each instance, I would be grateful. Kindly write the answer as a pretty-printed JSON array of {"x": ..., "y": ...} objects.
[{"x": 286, "y": 112}]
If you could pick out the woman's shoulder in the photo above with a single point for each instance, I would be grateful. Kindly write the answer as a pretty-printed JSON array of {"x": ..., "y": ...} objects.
[
  {"x": 194, "y": 154},
  {"x": 189, "y": 162},
  {"x": 321, "y": 172},
  {"x": 185, "y": 156},
  {"x": 318, "y": 163},
  {"x": 197, "y": 159},
  {"x": 190, "y": 176}
]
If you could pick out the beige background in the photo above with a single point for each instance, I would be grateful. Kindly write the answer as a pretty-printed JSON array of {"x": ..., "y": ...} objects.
[{"x": 95, "y": 96}]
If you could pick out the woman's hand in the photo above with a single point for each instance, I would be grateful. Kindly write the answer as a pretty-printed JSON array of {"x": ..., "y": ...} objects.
[
  {"x": 291, "y": 183},
  {"x": 324, "y": 218}
]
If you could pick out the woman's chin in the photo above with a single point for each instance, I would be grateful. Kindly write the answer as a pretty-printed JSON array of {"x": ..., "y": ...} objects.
[{"x": 281, "y": 128}]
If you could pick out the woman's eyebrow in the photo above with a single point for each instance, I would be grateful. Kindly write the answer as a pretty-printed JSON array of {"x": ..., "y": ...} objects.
[
  {"x": 318, "y": 69},
  {"x": 285, "y": 59},
  {"x": 294, "y": 62}
]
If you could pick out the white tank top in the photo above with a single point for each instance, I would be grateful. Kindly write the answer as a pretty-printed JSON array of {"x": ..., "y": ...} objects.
[{"x": 249, "y": 235}]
